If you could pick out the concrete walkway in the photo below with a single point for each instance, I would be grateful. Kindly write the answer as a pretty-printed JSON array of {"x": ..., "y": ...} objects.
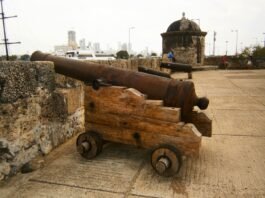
[{"x": 231, "y": 163}]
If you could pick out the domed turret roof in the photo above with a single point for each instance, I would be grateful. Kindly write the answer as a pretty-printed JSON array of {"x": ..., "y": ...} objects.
[{"x": 183, "y": 24}]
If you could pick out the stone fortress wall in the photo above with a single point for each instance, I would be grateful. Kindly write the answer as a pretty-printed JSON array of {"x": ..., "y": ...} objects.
[{"x": 39, "y": 110}]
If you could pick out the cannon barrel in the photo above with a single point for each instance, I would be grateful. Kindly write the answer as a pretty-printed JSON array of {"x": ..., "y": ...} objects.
[
  {"x": 154, "y": 72},
  {"x": 174, "y": 93},
  {"x": 177, "y": 66}
]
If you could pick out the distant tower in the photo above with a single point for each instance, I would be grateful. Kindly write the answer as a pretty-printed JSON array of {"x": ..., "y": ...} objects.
[
  {"x": 96, "y": 47},
  {"x": 82, "y": 44},
  {"x": 72, "y": 39},
  {"x": 89, "y": 45},
  {"x": 185, "y": 38}
]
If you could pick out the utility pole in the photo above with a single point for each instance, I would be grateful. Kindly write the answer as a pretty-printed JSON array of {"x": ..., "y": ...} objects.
[
  {"x": 6, "y": 43},
  {"x": 129, "y": 43},
  {"x": 236, "y": 31},
  {"x": 226, "y": 42},
  {"x": 214, "y": 39}
]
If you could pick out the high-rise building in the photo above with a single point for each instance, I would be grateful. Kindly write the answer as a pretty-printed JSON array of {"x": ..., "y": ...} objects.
[
  {"x": 89, "y": 45},
  {"x": 71, "y": 39},
  {"x": 82, "y": 44},
  {"x": 96, "y": 47}
]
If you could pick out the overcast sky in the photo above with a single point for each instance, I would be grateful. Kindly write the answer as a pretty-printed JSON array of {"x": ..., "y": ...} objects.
[{"x": 41, "y": 24}]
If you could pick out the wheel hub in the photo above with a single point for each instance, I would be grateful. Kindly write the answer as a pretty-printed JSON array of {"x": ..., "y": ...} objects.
[
  {"x": 83, "y": 147},
  {"x": 162, "y": 164}
]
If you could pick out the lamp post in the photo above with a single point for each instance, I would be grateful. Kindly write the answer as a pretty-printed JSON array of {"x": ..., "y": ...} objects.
[
  {"x": 241, "y": 46},
  {"x": 129, "y": 42},
  {"x": 214, "y": 39},
  {"x": 226, "y": 43},
  {"x": 236, "y": 31}
]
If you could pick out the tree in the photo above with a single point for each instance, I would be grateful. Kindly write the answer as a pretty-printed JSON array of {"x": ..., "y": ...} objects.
[
  {"x": 25, "y": 57},
  {"x": 245, "y": 53},
  {"x": 13, "y": 58},
  {"x": 122, "y": 54},
  {"x": 258, "y": 55},
  {"x": 153, "y": 54},
  {"x": 139, "y": 55},
  {"x": 3, "y": 58},
  {"x": 258, "y": 52},
  {"x": 253, "y": 54}
]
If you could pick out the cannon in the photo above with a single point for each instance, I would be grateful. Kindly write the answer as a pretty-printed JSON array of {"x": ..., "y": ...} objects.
[
  {"x": 174, "y": 93},
  {"x": 178, "y": 67},
  {"x": 153, "y": 72},
  {"x": 139, "y": 109}
]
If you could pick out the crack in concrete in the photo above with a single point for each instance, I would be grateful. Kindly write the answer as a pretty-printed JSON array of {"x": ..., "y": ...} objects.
[
  {"x": 258, "y": 136},
  {"x": 144, "y": 196},
  {"x": 73, "y": 186}
]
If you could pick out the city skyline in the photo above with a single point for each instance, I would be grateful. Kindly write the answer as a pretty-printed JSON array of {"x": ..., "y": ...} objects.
[
  {"x": 43, "y": 24},
  {"x": 75, "y": 43}
]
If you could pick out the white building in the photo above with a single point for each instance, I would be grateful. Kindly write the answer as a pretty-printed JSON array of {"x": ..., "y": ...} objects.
[
  {"x": 72, "y": 39},
  {"x": 96, "y": 47},
  {"x": 60, "y": 50},
  {"x": 82, "y": 44}
]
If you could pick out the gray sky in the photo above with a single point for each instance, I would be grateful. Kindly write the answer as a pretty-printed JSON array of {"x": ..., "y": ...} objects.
[{"x": 41, "y": 24}]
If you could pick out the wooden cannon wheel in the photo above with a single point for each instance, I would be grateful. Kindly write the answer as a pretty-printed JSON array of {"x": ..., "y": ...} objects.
[
  {"x": 166, "y": 160},
  {"x": 89, "y": 144}
]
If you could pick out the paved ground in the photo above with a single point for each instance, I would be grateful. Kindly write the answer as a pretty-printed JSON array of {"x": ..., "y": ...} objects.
[{"x": 231, "y": 163}]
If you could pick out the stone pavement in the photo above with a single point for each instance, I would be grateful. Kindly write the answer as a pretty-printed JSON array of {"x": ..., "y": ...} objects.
[{"x": 230, "y": 164}]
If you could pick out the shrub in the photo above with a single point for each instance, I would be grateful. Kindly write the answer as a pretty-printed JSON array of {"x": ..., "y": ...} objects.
[{"x": 123, "y": 54}]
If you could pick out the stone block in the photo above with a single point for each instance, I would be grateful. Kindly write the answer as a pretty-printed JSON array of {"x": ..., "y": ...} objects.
[
  {"x": 62, "y": 81},
  {"x": 20, "y": 79},
  {"x": 54, "y": 107},
  {"x": 74, "y": 98},
  {"x": 4, "y": 169},
  {"x": 24, "y": 156}
]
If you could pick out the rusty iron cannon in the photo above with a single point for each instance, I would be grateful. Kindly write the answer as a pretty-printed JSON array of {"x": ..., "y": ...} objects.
[
  {"x": 178, "y": 67},
  {"x": 153, "y": 72},
  {"x": 174, "y": 93},
  {"x": 139, "y": 109}
]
